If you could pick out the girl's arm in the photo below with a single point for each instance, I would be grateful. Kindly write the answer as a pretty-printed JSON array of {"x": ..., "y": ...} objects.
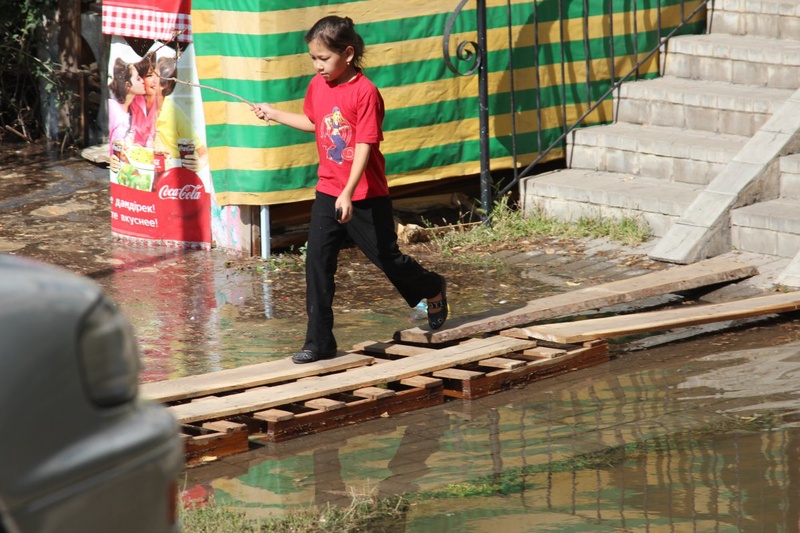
[
  {"x": 345, "y": 201},
  {"x": 294, "y": 120}
]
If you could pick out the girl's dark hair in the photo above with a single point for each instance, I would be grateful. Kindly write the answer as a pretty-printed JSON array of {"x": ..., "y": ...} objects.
[
  {"x": 145, "y": 66},
  {"x": 337, "y": 33},
  {"x": 165, "y": 68},
  {"x": 121, "y": 76}
]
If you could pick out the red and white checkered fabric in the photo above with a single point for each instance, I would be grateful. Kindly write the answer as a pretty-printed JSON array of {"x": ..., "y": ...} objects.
[{"x": 147, "y": 24}]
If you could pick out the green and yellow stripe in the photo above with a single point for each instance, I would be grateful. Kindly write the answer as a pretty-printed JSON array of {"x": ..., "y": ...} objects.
[{"x": 255, "y": 49}]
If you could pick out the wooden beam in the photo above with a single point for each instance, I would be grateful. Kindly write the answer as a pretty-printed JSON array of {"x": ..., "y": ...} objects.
[
  {"x": 617, "y": 326},
  {"x": 392, "y": 371},
  {"x": 676, "y": 279},
  {"x": 246, "y": 377}
]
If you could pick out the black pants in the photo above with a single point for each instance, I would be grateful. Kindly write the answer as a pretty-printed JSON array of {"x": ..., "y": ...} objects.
[{"x": 372, "y": 229}]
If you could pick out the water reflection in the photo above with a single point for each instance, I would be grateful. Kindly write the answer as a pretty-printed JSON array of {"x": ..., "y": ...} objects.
[
  {"x": 196, "y": 312},
  {"x": 644, "y": 449}
]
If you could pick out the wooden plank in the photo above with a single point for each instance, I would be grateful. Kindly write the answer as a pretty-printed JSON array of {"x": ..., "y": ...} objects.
[
  {"x": 357, "y": 378},
  {"x": 358, "y": 411},
  {"x": 544, "y": 352},
  {"x": 246, "y": 377},
  {"x": 676, "y": 279},
  {"x": 373, "y": 393},
  {"x": 224, "y": 426},
  {"x": 325, "y": 404},
  {"x": 457, "y": 373},
  {"x": 501, "y": 362},
  {"x": 202, "y": 443},
  {"x": 274, "y": 415},
  {"x": 422, "y": 382},
  {"x": 500, "y": 380},
  {"x": 391, "y": 348},
  {"x": 617, "y": 326}
]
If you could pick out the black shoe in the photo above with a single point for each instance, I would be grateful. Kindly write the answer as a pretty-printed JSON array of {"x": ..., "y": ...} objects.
[
  {"x": 436, "y": 320},
  {"x": 307, "y": 356}
]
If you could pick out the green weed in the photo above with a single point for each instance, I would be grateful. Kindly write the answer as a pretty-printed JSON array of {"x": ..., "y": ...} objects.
[
  {"x": 507, "y": 223},
  {"x": 365, "y": 513}
]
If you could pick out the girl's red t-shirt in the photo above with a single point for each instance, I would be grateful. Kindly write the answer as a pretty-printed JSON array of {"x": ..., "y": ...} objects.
[{"x": 344, "y": 115}]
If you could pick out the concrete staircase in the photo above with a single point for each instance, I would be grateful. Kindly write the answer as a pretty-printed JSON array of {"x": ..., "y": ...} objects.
[{"x": 689, "y": 150}]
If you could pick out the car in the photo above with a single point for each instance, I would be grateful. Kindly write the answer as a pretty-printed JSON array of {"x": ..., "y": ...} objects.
[{"x": 80, "y": 451}]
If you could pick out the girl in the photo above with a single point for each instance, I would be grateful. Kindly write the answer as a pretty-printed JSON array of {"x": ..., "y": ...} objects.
[
  {"x": 172, "y": 122},
  {"x": 345, "y": 110},
  {"x": 125, "y": 85},
  {"x": 143, "y": 108}
]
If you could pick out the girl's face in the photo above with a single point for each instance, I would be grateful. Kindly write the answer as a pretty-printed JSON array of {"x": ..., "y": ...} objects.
[
  {"x": 150, "y": 83},
  {"x": 137, "y": 82},
  {"x": 331, "y": 65}
]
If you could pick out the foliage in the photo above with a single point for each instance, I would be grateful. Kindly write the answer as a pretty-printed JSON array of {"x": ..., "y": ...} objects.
[
  {"x": 508, "y": 224},
  {"x": 365, "y": 513},
  {"x": 22, "y": 70}
]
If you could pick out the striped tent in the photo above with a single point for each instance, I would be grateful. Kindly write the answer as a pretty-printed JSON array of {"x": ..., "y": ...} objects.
[{"x": 254, "y": 49}]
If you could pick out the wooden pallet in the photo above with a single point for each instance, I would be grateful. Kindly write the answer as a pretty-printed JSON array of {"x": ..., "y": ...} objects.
[
  {"x": 496, "y": 374},
  {"x": 213, "y": 439},
  {"x": 402, "y": 378},
  {"x": 368, "y": 403}
]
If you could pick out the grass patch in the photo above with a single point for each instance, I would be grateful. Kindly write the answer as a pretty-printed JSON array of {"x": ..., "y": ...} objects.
[
  {"x": 508, "y": 224},
  {"x": 365, "y": 513}
]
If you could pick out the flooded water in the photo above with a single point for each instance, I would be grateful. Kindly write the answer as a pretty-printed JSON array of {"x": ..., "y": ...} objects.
[
  {"x": 700, "y": 435},
  {"x": 197, "y": 312},
  {"x": 648, "y": 442}
]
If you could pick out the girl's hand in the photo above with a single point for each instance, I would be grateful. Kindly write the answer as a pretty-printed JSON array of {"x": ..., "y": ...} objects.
[
  {"x": 114, "y": 163},
  {"x": 346, "y": 207},
  {"x": 263, "y": 111},
  {"x": 192, "y": 162}
]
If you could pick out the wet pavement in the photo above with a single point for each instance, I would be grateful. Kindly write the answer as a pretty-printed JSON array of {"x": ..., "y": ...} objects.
[{"x": 679, "y": 417}]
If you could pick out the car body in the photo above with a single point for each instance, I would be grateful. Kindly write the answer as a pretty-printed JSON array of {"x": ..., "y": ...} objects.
[{"x": 80, "y": 450}]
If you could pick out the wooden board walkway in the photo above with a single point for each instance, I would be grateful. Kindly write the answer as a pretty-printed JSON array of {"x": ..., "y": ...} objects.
[
  {"x": 692, "y": 315},
  {"x": 266, "y": 397},
  {"x": 677, "y": 279},
  {"x": 402, "y": 378},
  {"x": 279, "y": 400},
  {"x": 246, "y": 377}
]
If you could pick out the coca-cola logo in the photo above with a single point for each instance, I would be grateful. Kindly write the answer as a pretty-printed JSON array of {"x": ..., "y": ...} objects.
[{"x": 186, "y": 192}]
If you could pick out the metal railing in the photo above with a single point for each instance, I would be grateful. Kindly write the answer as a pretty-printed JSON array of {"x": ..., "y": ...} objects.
[{"x": 475, "y": 54}]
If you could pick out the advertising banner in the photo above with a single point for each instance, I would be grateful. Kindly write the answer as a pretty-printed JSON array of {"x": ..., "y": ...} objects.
[{"x": 161, "y": 190}]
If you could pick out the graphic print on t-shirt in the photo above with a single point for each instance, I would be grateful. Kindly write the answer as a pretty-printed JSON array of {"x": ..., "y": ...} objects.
[{"x": 336, "y": 137}]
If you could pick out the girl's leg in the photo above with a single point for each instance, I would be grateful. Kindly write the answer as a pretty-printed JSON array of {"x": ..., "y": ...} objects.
[
  {"x": 372, "y": 229},
  {"x": 325, "y": 237}
]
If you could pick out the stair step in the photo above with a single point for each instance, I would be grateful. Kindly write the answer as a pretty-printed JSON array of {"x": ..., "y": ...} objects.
[
  {"x": 745, "y": 60},
  {"x": 572, "y": 193},
  {"x": 699, "y": 105},
  {"x": 790, "y": 176},
  {"x": 671, "y": 154},
  {"x": 778, "y": 19},
  {"x": 771, "y": 227}
]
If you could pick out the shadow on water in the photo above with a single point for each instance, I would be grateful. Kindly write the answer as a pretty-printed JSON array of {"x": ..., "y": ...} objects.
[{"x": 641, "y": 444}]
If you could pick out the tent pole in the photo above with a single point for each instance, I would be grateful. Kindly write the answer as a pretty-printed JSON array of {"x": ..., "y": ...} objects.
[{"x": 265, "y": 237}]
